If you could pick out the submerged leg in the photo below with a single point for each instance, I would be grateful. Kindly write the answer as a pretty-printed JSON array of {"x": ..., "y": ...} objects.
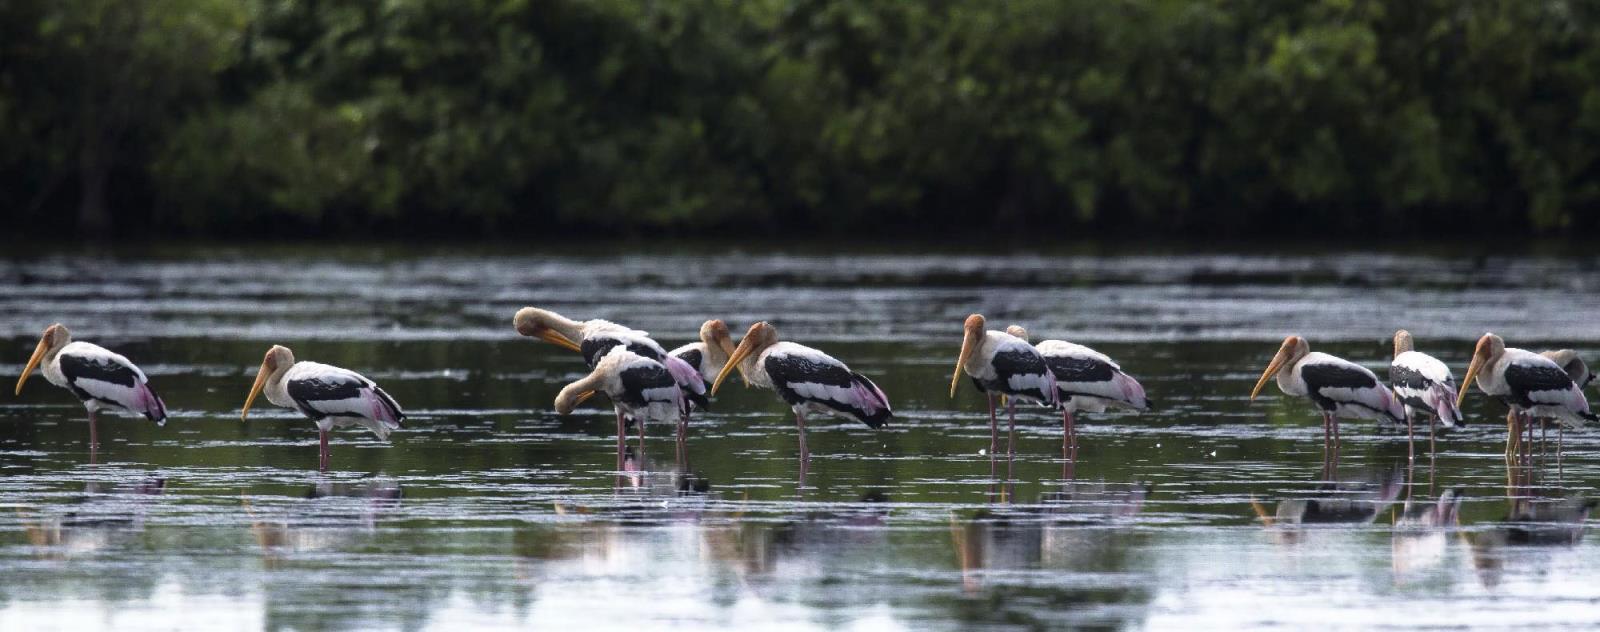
[
  {"x": 94, "y": 434},
  {"x": 640, "y": 421},
  {"x": 683, "y": 437},
  {"x": 322, "y": 449}
]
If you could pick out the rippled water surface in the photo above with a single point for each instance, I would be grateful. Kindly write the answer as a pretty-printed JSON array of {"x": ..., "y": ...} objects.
[{"x": 489, "y": 510}]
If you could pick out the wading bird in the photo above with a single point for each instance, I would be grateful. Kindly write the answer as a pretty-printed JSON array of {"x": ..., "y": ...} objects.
[
  {"x": 1576, "y": 369},
  {"x": 1001, "y": 363},
  {"x": 809, "y": 380},
  {"x": 331, "y": 396},
  {"x": 639, "y": 387},
  {"x": 593, "y": 338},
  {"x": 1425, "y": 385},
  {"x": 1338, "y": 387},
  {"x": 1086, "y": 380},
  {"x": 711, "y": 353},
  {"x": 102, "y": 380},
  {"x": 1531, "y": 384}
]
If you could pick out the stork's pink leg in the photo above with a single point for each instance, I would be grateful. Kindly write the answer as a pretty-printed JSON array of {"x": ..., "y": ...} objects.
[
  {"x": 94, "y": 434},
  {"x": 622, "y": 440},
  {"x": 1411, "y": 441},
  {"x": 800, "y": 422},
  {"x": 322, "y": 450},
  {"x": 683, "y": 430},
  {"x": 640, "y": 421},
  {"x": 1011, "y": 433},
  {"x": 994, "y": 426}
]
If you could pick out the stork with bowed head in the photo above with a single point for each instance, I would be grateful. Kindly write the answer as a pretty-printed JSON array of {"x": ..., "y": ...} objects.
[
  {"x": 710, "y": 353},
  {"x": 1576, "y": 369},
  {"x": 807, "y": 379},
  {"x": 1338, "y": 387},
  {"x": 639, "y": 387},
  {"x": 593, "y": 338},
  {"x": 328, "y": 395},
  {"x": 1424, "y": 385},
  {"x": 102, "y": 380},
  {"x": 1086, "y": 380},
  {"x": 1530, "y": 384},
  {"x": 1001, "y": 363}
]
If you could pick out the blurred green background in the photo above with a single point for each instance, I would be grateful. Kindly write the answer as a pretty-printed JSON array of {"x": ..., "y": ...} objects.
[{"x": 208, "y": 118}]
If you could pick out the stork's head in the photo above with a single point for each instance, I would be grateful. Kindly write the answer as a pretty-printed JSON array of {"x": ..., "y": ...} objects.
[
  {"x": 1293, "y": 348},
  {"x": 279, "y": 358},
  {"x": 542, "y": 324},
  {"x": 1018, "y": 331},
  {"x": 54, "y": 338},
  {"x": 714, "y": 333},
  {"x": 760, "y": 336},
  {"x": 1402, "y": 342},
  {"x": 1488, "y": 350},
  {"x": 575, "y": 393},
  {"x": 971, "y": 341}
]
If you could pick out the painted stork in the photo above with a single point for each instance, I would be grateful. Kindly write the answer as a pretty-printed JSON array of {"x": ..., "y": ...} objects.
[
  {"x": 1425, "y": 385},
  {"x": 102, "y": 380},
  {"x": 1086, "y": 380},
  {"x": 1576, "y": 369},
  {"x": 1532, "y": 385},
  {"x": 1338, "y": 387},
  {"x": 593, "y": 338},
  {"x": 639, "y": 387},
  {"x": 809, "y": 380},
  {"x": 999, "y": 362},
  {"x": 711, "y": 353},
  {"x": 331, "y": 396}
]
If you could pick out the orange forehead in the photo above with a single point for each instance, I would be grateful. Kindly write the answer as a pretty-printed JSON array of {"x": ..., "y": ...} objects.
[{"x": 974, "y": 321}]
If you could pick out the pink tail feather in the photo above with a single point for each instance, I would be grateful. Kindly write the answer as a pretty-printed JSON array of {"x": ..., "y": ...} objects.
[{"x": 150, "y": 405}]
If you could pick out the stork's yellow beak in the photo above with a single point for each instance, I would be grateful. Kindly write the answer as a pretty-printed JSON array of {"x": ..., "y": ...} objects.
[
  {"x": 255, "y": 389},
  {"x": 33, "y": 363},
  {"x": 1272, "y": 369},
  {"x": 745, "y": 348},
  {"x": 554, "y": 337}
]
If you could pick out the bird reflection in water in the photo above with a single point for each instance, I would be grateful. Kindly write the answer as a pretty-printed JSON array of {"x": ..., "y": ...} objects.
[
  {"x": 105, "y": 514},
  {"x": 1065, "y": 529},
  {"x": 334, "y": 514},
  {"x": 1421, "y": 534},
  {"x": 1335, "y": 503},
  {"x": 1532, "y": 531}
]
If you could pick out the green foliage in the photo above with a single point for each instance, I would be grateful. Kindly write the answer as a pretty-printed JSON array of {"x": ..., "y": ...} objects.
[{"x": 487, "y": 117}]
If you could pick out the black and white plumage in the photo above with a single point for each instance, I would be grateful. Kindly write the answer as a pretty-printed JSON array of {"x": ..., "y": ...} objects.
[
  {"x": 1530, "y": 384},
  {"x": 328, "y": 395},
  {"x": 1424, "y": 385},
  {"x": 710, "y": 353},
  {"x": 807, "y": 379},
  {"x": 639, "y": 387},
  {"x": 1000, "y": 363},
  {"x": 102, "y": 380},
  {"x": 1086, "y": 380},
  {"x": 595, "y": 337},
  {"x": 1338, "y": 387}
]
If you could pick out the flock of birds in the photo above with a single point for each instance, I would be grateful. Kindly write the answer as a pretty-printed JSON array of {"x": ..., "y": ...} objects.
[{"x": 647, "y": 383}]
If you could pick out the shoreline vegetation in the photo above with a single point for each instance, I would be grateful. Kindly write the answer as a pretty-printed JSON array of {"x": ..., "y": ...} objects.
[{"x": 882, "y": 121}]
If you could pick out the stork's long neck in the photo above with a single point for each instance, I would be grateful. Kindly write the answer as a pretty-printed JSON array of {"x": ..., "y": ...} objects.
[
  {"x": 753, "y": 371},
  {"x": 572, "y": 329},
  {"x": 277, "y": 389},
  {"x": 716, "y": 356},
  {"x": 567, "y": 399}
]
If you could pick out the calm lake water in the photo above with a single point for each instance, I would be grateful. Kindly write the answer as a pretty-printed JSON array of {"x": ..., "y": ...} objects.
[{"x": 488, "y": 510}]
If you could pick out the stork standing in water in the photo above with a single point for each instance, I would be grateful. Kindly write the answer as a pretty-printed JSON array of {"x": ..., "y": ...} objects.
[
  {"x": 639, "y": 387},
  {"x": 1338, "y": 387},
  {"x": 999, "y": 362},
  {"x": 711, "y": 353},
  {"x": 1425, "y": 385},
  {"x": 331, "y": 396},
  {"x": 1086, "y": 380},
  {"x": 102, "y": 380},
  {"x": 594, "y": 338},
  {"x": 1576, "y": 369},
  {"x": 809, "y": 380},
  {"x": 1531, "y": 384}
]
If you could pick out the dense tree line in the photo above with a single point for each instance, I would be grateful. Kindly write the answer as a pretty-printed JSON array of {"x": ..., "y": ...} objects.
[{"x": 478, "y": 117}]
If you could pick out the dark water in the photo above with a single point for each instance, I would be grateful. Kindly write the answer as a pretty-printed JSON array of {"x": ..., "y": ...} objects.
[{"x": 489, "y": 510}]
